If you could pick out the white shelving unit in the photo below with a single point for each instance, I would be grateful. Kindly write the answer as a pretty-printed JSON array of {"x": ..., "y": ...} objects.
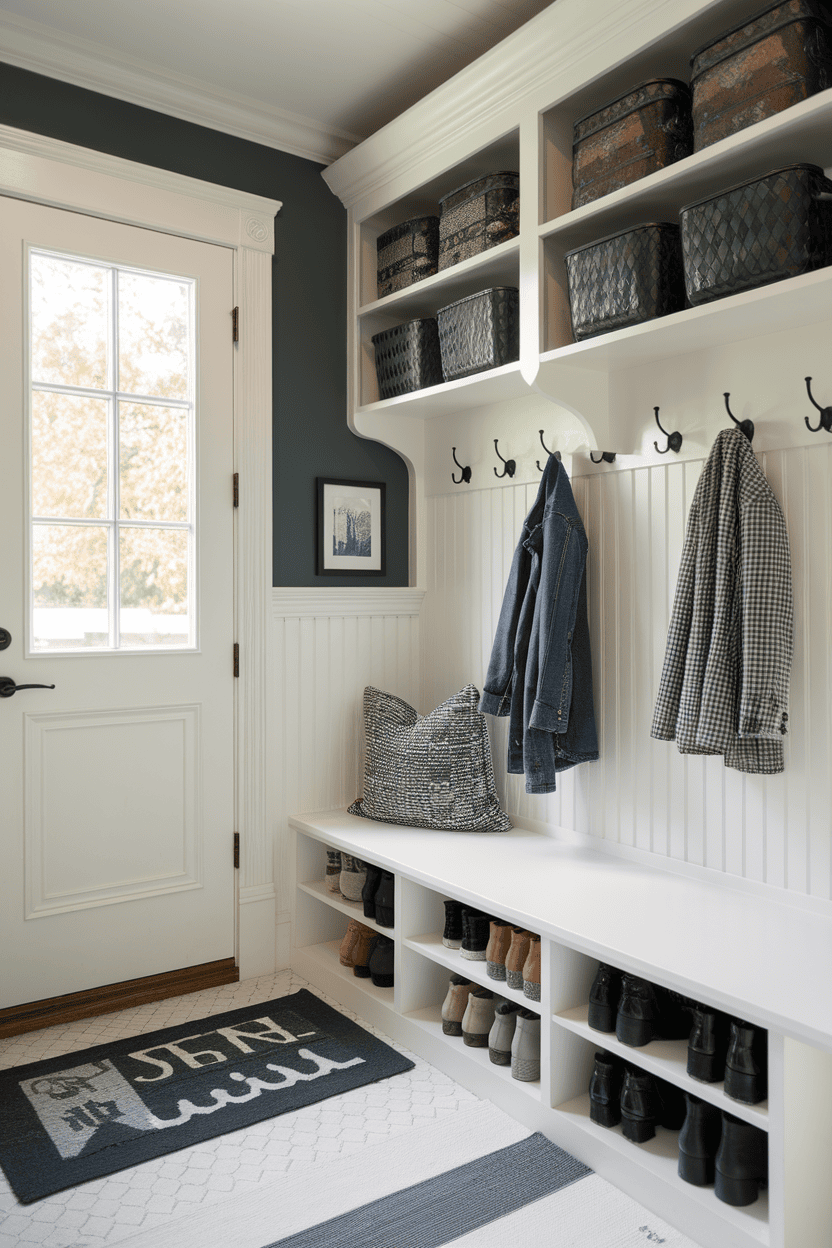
[{"x": 733, "y": 949}]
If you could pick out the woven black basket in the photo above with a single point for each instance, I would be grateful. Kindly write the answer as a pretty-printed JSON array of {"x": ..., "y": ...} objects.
[
  {"x": 478, "y": 215},
  {"x": 763, "y": 231},
  {"x": 407, "y": 253},
  {"x": 408, "y": 357},
  {"x": 479, "y": 332},
  {"x": 625, "y": 278}
]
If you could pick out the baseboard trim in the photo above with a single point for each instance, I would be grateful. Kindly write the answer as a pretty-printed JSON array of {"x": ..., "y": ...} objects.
[{"x": 32, "y": 1016}]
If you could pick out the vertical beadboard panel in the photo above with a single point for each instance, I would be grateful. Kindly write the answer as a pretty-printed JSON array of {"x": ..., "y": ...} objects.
[{"x": 643, "y": 793}]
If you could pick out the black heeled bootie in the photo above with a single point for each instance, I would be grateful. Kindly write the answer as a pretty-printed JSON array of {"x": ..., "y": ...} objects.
[
  {"x": 708, "y": 1044},
  {"x": 741, "y": 1167},
  {"x": 636, "y": 1022},
  {"x": 605, "y": 1090},
  {"x": 604, "y": 996},
  {"x": 368, "y": 892},
  {"x": 746, "y": 1066},
  {"x": 639, "y": 1106},
  {"x": 699, "y": 1141},
  {"x": 384, "y": 900}
]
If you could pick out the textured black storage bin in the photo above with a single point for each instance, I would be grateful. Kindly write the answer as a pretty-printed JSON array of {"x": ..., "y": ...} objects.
[
  {"x": 625, "y": 278},
  {"x": 479, "y": 332},
  {"x": 478, "y": 215},
  {"x": 407, "y": 253},
  {"x": 408, "y": 357},
  {"x": 758, "y": 232}
]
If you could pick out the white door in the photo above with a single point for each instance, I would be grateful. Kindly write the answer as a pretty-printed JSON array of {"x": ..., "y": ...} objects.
[{"x": 116, "y": 587}]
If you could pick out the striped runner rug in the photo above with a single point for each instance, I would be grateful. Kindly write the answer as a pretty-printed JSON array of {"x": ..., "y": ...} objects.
[{"x": 476, "y": 1179}]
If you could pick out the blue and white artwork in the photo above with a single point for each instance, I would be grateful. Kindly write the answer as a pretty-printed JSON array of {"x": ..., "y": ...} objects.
[{"x": 352, "y": 527}]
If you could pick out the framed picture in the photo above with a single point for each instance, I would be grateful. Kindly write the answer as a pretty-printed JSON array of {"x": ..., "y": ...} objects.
[{"x": 351, "y": 528}]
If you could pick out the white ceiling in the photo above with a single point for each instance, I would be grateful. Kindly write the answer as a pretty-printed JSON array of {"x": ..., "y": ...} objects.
[{"x": 308, "y": 76}]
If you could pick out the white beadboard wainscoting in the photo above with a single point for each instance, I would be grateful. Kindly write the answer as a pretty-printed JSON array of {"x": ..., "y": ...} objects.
[
  {"x": 329, "y": 644},
  {"x": 642, "y": 794}
]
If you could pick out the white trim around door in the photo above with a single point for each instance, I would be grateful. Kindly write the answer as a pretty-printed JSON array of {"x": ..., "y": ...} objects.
[{"x": 63, "y": 175}]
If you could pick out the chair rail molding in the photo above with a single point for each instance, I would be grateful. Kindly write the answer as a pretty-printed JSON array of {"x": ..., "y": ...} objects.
[
  {"x": 299, "y": 603},
  {"x": 63, "y": 175}
]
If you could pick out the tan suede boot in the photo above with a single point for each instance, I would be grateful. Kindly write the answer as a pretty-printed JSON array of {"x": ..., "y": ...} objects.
[
  {"x": 518, "y": 951},
  {"x": 347, "y": 951},
  {"x": 497, "y": 948},
  {"x": 361, "y": 951},
  {"x": 531, "y": 971},
  {"x": 454, "y": 1005}
]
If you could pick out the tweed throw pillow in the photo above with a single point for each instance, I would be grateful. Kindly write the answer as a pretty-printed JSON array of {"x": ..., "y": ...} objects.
[{"x": 431, "y": 771}]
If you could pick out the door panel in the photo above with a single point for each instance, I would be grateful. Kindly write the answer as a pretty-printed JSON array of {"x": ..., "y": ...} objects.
[{"x": 116, "y": 788}]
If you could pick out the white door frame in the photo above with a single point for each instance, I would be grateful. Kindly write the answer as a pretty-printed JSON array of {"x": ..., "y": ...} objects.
[{"x": 63, "y": 175}]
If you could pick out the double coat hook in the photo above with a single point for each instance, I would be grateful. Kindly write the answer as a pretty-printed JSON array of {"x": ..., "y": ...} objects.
[
  {"x": 465, "y": 473},
  {"x": 674, "y": 440},
  {"x": 510, "y": 465},
  {"x": 825, "y": 421},
  {"x": 556, "y": 454}
]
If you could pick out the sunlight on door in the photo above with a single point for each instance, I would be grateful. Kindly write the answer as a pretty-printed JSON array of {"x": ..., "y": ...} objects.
[{"x": 112, "y": 463}]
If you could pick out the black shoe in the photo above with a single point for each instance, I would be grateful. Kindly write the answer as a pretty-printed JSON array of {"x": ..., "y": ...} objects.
[
  {"x": 605, "y": 1090},
  {"x": 699, "y": 1141},
  {"x": 647, "y": 1012},
  {"x": 671, "y": 1105},
  {"x": 708, "y": 1044},
  {"x": 476, "y": 930},
  {"x": 746, "y": 1066},
  {"x": 368, "y": 892},
  {"x": 741, "y": 1166},
  {"x": 381, "y": 962},
  {"x": 640, "y": 1105},
  {"x": 452, "y": 935},
  {"x": 384, "y": 900},
  {"x": 604, "y": 996}
]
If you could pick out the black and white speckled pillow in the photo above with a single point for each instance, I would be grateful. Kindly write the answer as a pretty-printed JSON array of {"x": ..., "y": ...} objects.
[{"x": 432, "y": 771}]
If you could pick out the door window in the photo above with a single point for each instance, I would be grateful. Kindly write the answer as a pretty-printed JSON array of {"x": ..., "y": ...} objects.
[{"x": 112, "y": 464}]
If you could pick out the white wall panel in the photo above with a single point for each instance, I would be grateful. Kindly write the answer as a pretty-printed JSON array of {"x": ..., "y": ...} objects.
[{"x": 642, "y": 793}]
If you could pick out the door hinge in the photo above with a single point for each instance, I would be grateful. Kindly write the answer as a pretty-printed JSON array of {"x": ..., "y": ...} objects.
[
  {"x": 237, "y": 849},
  {"x": 236, "y": 658},
  {"x": 235, "y": 325},
  {"x": 236, "y": 489}
]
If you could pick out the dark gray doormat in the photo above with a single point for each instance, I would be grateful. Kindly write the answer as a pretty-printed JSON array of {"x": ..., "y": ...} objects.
[{"x": 86, "y": 1114}]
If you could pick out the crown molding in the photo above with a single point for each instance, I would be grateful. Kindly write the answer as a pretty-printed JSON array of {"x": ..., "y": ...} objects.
[
  {"x": 549, "y": 53},
  {"x": 35, "y": 47},
  {"x": 289, "y": 602}
]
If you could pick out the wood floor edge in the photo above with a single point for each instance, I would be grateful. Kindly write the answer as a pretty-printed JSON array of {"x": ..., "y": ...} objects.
[{"x": 34, "y": 1015}]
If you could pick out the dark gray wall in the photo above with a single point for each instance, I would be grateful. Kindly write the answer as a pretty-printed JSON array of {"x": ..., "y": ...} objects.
[{"x": 311, "y": 437}]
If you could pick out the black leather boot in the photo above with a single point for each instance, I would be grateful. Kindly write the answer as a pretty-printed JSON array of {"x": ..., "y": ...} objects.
[
  {"x": 604, "y": 996},
  {"x": 672, "y": 1106},
  {"x": 636, "y": 1022},
  {"x": 476, "y": 930},
  {"x": 699, "y": 1141},
  {"x": 368, "y": 892},
  {"x": 746, "y": 1066},
  {"x": 605, "y": 1090},
  {"x": 384, "y": 900},
  {"x": 741, "y": 1161},
  {"x": 639, "y": 1105},
  {"x": 380, "y": 962},
  {"x": 708, "y": 1044},
  {"x": 452, "y": 935}
]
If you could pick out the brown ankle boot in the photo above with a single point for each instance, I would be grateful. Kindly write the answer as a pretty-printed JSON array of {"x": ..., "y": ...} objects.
[
  {"x": 531, "y": 971},
  {"x": 361, "y": 951},
  {"x": 497, "y": 948},
  {"x": 347, "y": 951},
  {"x": 518, "y": 951}
]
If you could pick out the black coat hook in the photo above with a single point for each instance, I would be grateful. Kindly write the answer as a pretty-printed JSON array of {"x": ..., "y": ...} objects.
[
  {"x": 607, "y": 457},
  {"x": 745, "y": 426},
  {"x": 465, "y": 473},
  {"x": 674, "y": 440},
  {"x": 510, "y": 465},
  {"x": 548, "y": 452},
  {"x": 825, "y": 421}
]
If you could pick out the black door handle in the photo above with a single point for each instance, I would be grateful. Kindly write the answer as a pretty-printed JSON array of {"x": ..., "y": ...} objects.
[{"x": 8, "y": 687}]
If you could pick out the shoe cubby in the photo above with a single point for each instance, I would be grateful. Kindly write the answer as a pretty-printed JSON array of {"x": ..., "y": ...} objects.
[{"x": 576, "y": 902}]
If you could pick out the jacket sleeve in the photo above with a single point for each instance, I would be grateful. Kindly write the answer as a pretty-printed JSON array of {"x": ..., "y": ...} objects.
[
  {"x": 558, "y": 612},
  {"x": 767, "y": 621},
  {"x": 666, "y": 713},
  {"x": 499, "y": 679}
]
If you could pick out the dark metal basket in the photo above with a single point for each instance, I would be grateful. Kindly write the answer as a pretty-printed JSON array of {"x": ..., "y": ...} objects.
[
  {"x": 408, "y": 357},
  {"x": 634, "y": 135},
  {"x": 479, "y": 332},
  {"x": 625, "y": 278},
  {"x": 478, "y": 215},
  {"x": 763, "y": 231},
  {"x": 407, "y": 253}
]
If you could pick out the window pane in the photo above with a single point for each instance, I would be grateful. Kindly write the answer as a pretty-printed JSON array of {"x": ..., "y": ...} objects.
[
  {"x": 154, "y": 587},
  {"x": 69, "y": 584},
  {"x": 69, "y": 456},
  {"x": 70, "y": 313},
  {"x": 153, "y": 462},
  {"x": 154, "y": 336}
]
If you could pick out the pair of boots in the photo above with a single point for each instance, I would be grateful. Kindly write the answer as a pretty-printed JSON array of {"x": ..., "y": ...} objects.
[
  {"x": 377, "y": 896},
  {"x": 511, "y": 1033},
  {"x": 716, "y": 1147},
  {"x": 636, "y": 1010},
  {"x": 368, "y": 953},
  {"x": 620, "y": 1093},
  {"x": 513, "y": 955}
]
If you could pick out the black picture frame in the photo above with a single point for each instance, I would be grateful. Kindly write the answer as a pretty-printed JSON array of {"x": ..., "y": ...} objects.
[{"x": 370, "y": 511}]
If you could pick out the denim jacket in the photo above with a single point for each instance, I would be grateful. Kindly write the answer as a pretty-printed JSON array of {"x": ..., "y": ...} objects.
[{"x": 540, "y": 673}]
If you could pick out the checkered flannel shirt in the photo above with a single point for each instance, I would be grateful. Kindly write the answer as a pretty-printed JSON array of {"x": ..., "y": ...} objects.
[{"x": 725, "y": 682}]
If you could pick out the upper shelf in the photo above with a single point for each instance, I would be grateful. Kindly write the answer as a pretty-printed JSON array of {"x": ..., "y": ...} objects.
[{"x": 496, "y": 267}]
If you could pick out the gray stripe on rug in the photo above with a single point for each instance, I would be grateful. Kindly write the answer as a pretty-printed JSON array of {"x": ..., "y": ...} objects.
[{"x": 439, "y": 1210}]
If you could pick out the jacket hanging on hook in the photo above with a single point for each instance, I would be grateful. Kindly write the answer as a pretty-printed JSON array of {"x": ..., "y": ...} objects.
[
  {"x": 725, "y": 682},
  {"x": 540, "y": 673}
]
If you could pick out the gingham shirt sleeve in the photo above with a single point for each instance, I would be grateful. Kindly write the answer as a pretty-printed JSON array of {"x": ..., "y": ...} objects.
[{"x": 765, "y": 580}]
